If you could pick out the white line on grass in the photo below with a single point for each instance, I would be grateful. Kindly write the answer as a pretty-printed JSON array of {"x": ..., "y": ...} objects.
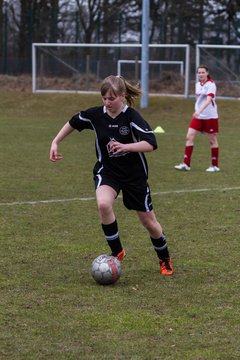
[{"x": 183, "y": 191}]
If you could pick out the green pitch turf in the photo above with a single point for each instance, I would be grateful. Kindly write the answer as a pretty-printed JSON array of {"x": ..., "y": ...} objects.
[{"x": 50, "y": 307}]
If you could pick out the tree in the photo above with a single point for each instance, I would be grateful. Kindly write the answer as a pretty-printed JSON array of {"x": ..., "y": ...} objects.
[{"x": 113, "y": 21}]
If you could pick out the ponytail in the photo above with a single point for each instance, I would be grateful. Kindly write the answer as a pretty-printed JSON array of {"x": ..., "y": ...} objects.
[{"x": 118, "y": 86}]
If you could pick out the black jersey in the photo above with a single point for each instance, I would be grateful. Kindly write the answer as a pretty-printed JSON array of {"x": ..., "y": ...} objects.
[{"x": 128, "y": 127}]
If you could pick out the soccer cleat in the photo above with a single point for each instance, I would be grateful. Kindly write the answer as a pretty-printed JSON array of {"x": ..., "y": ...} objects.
[
  {"x": 213, "y": 169},
  {"x": 182, "y": 167},
  {"x": 166, "y": 266},
  {"x": 120, "y": 256}
]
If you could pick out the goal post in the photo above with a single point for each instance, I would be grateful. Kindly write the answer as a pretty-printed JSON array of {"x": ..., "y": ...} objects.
[
  {"x": 80, "y": 68},
  {"x": 154, "y": 62},
  {"x": 223, "y": 62}
]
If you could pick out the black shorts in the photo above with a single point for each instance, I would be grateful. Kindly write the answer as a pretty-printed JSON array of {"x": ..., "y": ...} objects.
[{"x": 136, "y": 195}]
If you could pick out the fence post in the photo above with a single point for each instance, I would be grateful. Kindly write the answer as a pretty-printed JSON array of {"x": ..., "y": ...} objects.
[
  {"x": 145, "y": 53},
  {"x": 5, "y": 38}
]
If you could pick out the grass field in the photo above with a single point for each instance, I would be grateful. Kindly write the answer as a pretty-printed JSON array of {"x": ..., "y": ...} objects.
[{"x": 50, "y": 307}]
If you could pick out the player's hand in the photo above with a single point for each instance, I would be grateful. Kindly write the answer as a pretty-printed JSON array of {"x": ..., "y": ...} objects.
[
  {"x": 54, "y": 154},
  {"x": 196, "y": 114},
  {"x": 117, "y": 147}
]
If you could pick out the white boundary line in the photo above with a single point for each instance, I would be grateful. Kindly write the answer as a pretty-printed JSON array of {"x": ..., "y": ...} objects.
[{"x": 183, "y": 191}]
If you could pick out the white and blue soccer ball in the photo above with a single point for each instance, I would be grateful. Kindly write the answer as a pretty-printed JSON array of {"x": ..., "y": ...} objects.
[{"x": 106, "y": 269}]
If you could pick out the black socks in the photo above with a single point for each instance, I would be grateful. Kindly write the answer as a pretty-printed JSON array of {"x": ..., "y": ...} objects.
[
  {"x": 112, "y": 237},
  {"x": 161, "y": 247}
]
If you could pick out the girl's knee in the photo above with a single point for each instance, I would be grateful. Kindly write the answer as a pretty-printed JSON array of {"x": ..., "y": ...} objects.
[
  {"x": 190, "y": 138},
  {"x": 104, "y": 207},
  {"x": 213, "y": 141}
]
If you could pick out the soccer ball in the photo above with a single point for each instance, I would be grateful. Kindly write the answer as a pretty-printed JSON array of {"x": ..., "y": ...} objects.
[{"x": 106, "y": 269}]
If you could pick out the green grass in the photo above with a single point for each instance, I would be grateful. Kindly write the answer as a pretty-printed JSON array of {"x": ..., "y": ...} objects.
[{"x": 50, "y": 307}]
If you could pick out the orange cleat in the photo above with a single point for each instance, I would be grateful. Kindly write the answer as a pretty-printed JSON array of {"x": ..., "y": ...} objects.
[
  {"x": 166, "y": 266},
  {"x": 120, "y": 256}
]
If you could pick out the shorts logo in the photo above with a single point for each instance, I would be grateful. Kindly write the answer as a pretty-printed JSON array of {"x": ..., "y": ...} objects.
[{"x": 124, "y": 130}]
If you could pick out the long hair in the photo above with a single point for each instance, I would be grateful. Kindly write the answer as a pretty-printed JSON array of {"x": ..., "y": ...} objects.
[
  {"x": 117, "y": 85},
  {"x": 206, "y": 68}
]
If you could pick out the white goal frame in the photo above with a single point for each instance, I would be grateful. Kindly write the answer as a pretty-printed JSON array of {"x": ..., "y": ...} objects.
[
  {"x": 157, "y": 62},
  {"x": 224, "y": 66},
  {"x": 186, "y": 47},
  {"x": 199, "y": 46}
]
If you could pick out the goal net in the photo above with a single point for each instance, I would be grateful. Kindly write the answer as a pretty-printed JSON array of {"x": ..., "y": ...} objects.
[
  {"x": 82, "y": 67},
  {"x": 223, "y": 62},
  {"x": 161, "y": 66}
]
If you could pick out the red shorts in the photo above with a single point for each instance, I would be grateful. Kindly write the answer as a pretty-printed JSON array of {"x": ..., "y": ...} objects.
[{"x": 209, "y": 126}]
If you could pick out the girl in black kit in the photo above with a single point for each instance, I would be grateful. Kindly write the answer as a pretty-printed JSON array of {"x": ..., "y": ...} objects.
[{"x": 122, "y": 137}]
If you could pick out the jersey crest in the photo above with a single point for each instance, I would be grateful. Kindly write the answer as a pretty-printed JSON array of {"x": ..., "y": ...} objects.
[{"x": 124, "y": 130}]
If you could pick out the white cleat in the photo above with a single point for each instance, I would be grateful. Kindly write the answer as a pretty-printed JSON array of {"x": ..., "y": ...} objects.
[
  {"x": 182, "y": 167},
  {"x": 213, "y": 169}
]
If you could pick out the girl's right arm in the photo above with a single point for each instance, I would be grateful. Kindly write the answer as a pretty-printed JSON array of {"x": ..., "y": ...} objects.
[
  {"x": 203, "y": 107},
  {"x": 66, "y": 130}
]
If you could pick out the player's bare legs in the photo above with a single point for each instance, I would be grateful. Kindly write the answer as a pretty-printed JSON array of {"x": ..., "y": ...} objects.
[
  {"x": 105, "y": 196},
  {"x": 213, "y": 140},
  {"x": 191, "y": 134},
  {"x": 149, "y": 221}
]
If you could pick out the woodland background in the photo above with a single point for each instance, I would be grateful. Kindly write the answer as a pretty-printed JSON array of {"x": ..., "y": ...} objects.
[{"x": 104, "y": 21}]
